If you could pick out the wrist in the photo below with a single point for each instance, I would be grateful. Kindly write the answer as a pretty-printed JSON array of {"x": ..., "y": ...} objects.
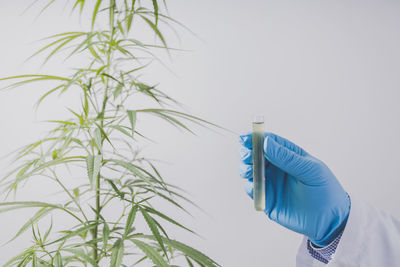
[{"x": 337, "y": 226}]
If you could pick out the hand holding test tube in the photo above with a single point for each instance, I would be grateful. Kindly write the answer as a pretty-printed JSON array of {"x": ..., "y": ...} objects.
[{"x": 299, "y": 191}]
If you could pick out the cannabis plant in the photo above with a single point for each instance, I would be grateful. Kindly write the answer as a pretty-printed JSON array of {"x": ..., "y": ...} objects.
[{"x": 102, "y": 139}]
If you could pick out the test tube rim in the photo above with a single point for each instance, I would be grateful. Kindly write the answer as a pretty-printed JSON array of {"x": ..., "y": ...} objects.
[{"x": 258, "y": 119}]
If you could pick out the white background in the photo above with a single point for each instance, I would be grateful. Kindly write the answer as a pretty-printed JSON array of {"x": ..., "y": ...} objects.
[{"x": 324, "y": 73}]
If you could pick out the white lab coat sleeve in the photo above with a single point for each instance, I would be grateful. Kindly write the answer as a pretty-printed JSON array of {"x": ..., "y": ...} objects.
[{"x": 371, "y": 238}]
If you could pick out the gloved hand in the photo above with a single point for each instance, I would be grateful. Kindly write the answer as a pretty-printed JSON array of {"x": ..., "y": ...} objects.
[{"x": 302, "y": 194}]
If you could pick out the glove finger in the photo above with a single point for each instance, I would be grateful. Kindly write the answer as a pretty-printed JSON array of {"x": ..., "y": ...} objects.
[
  {"x": 245, "y": 140},
  {"x": 248, "y": 187},
  {"x": 285, "y": 159},
  {"x": 246, "y": 171},
  {"x": 272, "y": 174},
  {"x": 286, "y": 143},
  {"x": 245, "y": 155}
]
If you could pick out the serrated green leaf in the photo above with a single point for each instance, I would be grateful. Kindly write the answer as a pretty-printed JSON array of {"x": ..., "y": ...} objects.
[
  {"x": 151, "y": 253},
  {"x": 13, "y": 260},
  {"x": 168, "y": 117},
  {"x": 90, "y": 169},
  {"x": 115, "y": 188},
  {"x": 117, "y": 253},
  {"x": 186, "y": 250},
  {"x": 179, "y": 114},
  {"x": 36, "y": 217},
  {"x": 37, "y": 77},
  {"x": 93, "y": 165},
  {"x": 81, "y": 2},
  {"x": 47, "y": 94},
  {"x": 31, "y": 204},
  {"x": 63, "y": 122},
  {"x": 155, "y": 29},
  {"x": 118, "y": 90},
  {"x": 140, "y": 260},
  {"x": 189, "y": 262},
  {"x": 154, "y": 229},
  {"x": 95, "y": 54},
  {"x": 121, "y": 29},
  {"x": 97, "y": 139},
  {"x": 165, "y": 217},
  {"x": 48, "y": 230},
  {"x": 130, "y": 219},
  {"x": 121, "y": 129},
  {"x": 112, "y": 12},
  {"x": 132, "y": 119},
  {"x": 133, "y": 169},
  {"x": 80, "y": 253},
  {"x": 155, "y": 6},
  {"x": 106, "y": 233},
  {"x": 102, "y": 132},
  {"x": 74, "y": 233},
  {"x": 57, "y": 261},
  {"x": 86, "y": 104},
  {"x": 69, "y": 39},
  {"x": 111, "y": 77},
  {"x": 129, "y": 21},
  {"x": 95, "y": 11},
  {"x": 130, "y": 16},
  {"x": 85, "y": 43}
]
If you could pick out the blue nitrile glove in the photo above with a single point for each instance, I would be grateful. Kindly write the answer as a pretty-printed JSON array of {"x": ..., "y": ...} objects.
[{"x": 302, "y": 194}]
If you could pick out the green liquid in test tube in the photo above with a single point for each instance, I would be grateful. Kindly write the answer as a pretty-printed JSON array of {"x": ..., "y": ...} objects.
[{"x": 258, "y": 163}]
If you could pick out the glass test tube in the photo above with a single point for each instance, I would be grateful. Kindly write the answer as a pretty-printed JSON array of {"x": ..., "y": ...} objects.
[{"x": 258, "y": 163}]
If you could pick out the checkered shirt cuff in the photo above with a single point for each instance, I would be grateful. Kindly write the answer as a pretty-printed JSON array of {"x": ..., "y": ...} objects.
[{"x": 324, "y": 254}]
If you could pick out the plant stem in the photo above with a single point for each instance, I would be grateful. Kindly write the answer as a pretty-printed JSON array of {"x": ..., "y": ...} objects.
[
  {"x": 95, "y": 256},
  {"x": 98, "y": 185}
]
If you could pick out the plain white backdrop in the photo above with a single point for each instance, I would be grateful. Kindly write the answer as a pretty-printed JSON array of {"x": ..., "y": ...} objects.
[{"x": 326, "y": 75}]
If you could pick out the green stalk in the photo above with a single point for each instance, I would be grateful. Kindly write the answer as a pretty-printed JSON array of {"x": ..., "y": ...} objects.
[{"x": 98, "y": 185}]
